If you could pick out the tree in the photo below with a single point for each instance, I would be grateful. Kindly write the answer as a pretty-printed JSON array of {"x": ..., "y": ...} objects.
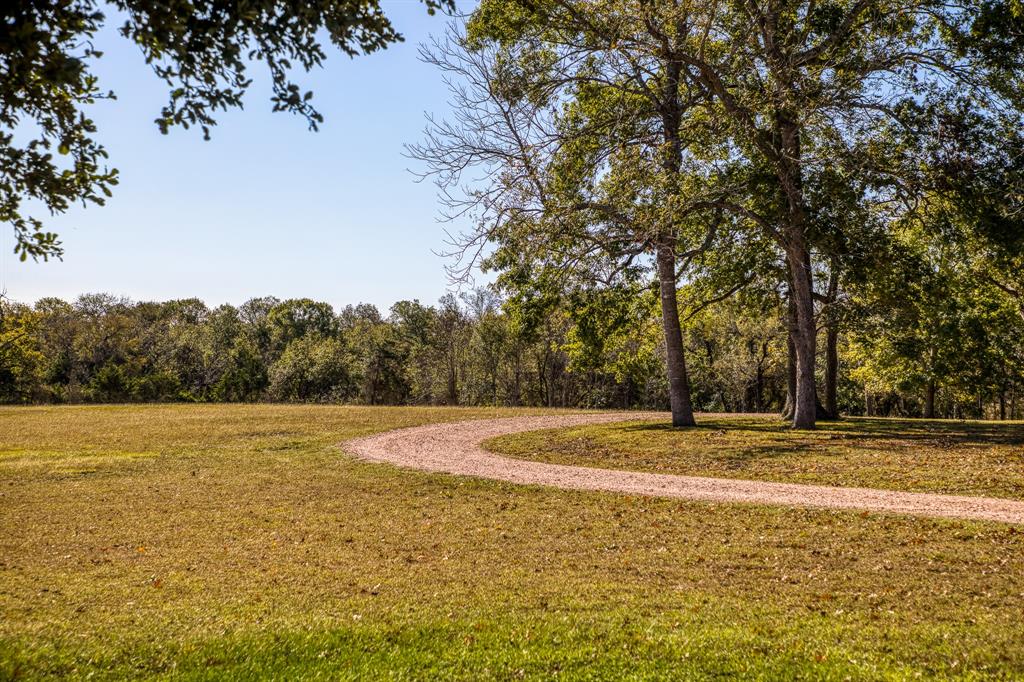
[
  {"x": 201, "y": 49},
  {"x": 376, "y": 355},
  {"x": 21, "y": 361},
  {"x": 791, "y": 84},
  {"x": 596, "y": 173},
  {"x": 298, "y": 318},
  {"x": 312, "y": 368},
  {"x": 413, "y": 324},
  {"x": 450, "y": 338}
]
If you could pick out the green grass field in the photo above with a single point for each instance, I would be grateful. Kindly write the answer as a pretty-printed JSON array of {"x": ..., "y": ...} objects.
[
  {"x": 210, "y": 542},
  {"x": 939, "y": 456}
]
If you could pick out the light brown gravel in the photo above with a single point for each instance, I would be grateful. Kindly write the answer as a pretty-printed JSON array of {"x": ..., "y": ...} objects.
[{"x": 454, "y": 448}]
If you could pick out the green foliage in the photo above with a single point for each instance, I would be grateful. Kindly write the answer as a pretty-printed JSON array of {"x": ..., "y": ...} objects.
[
  {"x": 157, "y": 387},
  {"x": 929, "y": 320},
  {"x": 776, "y": 145},
  {"x": 244, "y": 377},
  {"x": 296, "y": 319},
  {"x": 21, "y": 362},
  {"x": 311, "y": 368},
  {"x": 924, "y": 317},
  {"x": 201, "y": 50},
  {"x": 47, "y": 150}
]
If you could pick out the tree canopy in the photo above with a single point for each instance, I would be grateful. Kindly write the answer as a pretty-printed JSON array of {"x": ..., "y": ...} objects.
[{"x": 615, "y": 134}]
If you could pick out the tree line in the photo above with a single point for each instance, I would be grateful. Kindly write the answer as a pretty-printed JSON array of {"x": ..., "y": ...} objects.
[{"x": 950, "y": 346}]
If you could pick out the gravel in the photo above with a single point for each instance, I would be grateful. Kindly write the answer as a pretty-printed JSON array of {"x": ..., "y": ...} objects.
[{"x": 454, "y": 448}]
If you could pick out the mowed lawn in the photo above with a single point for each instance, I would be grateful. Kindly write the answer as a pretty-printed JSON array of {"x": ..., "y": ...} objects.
[
  {"x": 921, "y": 455},
  {"x": 217, "y": 542}
]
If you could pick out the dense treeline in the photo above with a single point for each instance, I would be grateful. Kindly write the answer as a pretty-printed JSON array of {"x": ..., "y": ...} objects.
[
  {"x": 951, "y": 346},
  {"x": 101, "y": 348}
]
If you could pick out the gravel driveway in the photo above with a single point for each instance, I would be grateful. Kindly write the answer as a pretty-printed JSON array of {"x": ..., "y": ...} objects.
[{"x": 454, "y": 448}]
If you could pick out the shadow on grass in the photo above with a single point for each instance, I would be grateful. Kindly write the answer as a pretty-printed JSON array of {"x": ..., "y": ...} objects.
[
  {"x": 853, "y": 433},
  {"x": 932, "y": 432}
]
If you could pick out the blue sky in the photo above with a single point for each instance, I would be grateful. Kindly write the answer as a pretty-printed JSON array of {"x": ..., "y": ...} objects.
[{"x": 266, "y": 207}]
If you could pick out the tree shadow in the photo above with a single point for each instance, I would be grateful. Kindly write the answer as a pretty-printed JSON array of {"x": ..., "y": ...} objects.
[
  {"x": 773, "y": 438},
  {"x": 853, "y": 432}
]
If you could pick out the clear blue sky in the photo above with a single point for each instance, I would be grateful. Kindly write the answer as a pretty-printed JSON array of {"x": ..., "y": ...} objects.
[{"x": 266, "y": 207}]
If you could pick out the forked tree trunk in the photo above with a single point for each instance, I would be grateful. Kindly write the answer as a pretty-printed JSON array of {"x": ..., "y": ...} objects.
[{"x": 675, "y": 358}]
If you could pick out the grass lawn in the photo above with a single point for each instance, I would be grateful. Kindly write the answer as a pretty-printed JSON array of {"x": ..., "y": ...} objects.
[
  {"x": 204, "y": 542},
  {"x": 956, "y": 457}
]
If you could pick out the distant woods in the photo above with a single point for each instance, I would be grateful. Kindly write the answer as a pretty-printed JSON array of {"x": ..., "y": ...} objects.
[{"x": 959, "y": 358}]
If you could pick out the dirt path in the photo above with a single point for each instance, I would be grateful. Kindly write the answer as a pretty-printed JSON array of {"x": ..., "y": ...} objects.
[{"x": 454, "y": 448}]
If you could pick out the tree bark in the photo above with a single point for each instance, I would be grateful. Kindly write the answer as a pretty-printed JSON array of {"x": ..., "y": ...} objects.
[
  {"x": 832, "y": 372},
  {"x": 789, "y": 407},
  {"x": 793, "y": 237},
  {"x": 803, "y": 333},
  {"x": 671, "y": 163},
  {"x": 759, "y": 386},
  {"x": 929, "y": 400},
  {"x": 453, "y": 385},
  {"x": 675, "y": 358},
  {"x": 832, "y": 345}
]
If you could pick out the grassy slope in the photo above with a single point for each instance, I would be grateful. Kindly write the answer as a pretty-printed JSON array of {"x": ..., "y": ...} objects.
[
  {"x": 201, "y": 542},
  {"x": 967, "y": 458}
]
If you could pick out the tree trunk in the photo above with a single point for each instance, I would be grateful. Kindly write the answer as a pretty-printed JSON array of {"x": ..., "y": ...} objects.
[
  {"x": 790, "y": 406},
  {"x": 453, "y": 384},
  {"x": 803, "y": 333},
  {"x": 675, "y": 359},
  {"x": 517, "y": 379},
  {"x": 832, "y": 346},
  {"x": 786, "y": 155},
  {"x": 671, "y": 163},
  {"x": 832, "y": 372},
  {"x": 759, "y": 386},
  {"x": 929, "y": 400}
]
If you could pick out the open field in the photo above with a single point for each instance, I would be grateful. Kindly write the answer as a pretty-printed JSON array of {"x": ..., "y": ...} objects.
[
  {"x": 207, "y": 541},
  {"x": 938, "y": 456}
]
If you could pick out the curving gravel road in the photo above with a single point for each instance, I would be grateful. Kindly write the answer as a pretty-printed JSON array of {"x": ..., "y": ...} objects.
[{"x": 454, "y": 448}]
